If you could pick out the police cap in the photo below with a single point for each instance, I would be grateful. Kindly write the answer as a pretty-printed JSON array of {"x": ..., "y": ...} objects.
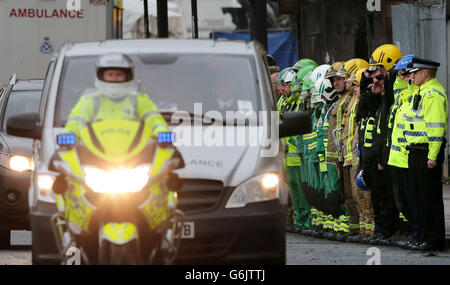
[{"x": 419, "y": 63}]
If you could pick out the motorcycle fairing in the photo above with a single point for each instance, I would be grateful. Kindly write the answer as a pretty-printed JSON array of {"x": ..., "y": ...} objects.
[{"x": 119, "y": 233}]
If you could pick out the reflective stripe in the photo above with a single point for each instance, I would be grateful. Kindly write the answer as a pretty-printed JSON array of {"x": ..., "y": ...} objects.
[
  {"x": 332, "y": 154},
  {"x": 80, "y": 120},
  {"x": 350, "y": 132},
  {"x": 445, "y": 97},
  {"x": 312, "y": 145},
  {"x": 370, "y": 227},
  {"x": 435, "y": 139},
  {"x": 354, "y": 226},
  {"x": 157, "y": 126},
  {"x": 149, "y": 113},
  {"x": 293, "y": 155},
  {"x": 396, "y": 91},
  {"x": 396, "y": 148},
  {"x": 401, "y": 126},
  {"x": 435, "y": 125},
  {"x": 415, "y": 134},
  {"x": 133, "y": 99},
  {"x": 96, "y": 103},
  {"x": 414, "y": 119},
  {"x": 310, "y": 136},
  {"x": 440, "y": 93}
]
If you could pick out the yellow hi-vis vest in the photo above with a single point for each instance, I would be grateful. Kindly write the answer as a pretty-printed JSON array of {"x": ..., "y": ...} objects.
[
  {"x": 96, "y": 107},
  {"x": 398, "y": 154},
  {"x": 293, "y": 157},
  {"x": 426, "y": 118}
]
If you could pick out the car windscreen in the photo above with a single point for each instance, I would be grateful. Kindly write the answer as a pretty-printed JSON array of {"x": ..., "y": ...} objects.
[
  {"x": 20, "y": 102},
  {"x": 174, "y": 82}
]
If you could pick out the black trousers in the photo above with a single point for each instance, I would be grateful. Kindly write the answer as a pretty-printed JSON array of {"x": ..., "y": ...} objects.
[
  {"x": 426, "y": 192},
  {"x": 385, "y": 212},
  {"x": 404, "y": 205}
]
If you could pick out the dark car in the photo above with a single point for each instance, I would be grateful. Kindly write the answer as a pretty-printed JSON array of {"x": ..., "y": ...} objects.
[{"x": 17, "y": 96}]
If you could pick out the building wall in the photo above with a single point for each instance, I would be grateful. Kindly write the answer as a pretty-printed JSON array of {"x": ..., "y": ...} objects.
[{"x": 336, "y": 30}]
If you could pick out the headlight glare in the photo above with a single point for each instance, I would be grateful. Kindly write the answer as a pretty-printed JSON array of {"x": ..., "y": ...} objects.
[
  {"x": 269, "y": 181},
  {"x": 260, "y": 188},
  {"x": 17, "y": 163},
  {"x": 45, "y": 181},
  {"x": 118, "y": 181}
]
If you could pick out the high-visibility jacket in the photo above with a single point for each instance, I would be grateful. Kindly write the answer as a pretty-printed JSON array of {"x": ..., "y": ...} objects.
[
  {"x": 336, "y": 124},
  {"x": 426, "y": 119},
  {"x": 325, "y": 128},
  {"x": 280, "y": 103},
  {"x": 293, "y": 157},
  {"x": 96, "y": 107},
  {"x": 349, "y": 149},
  {"x": 322, "y": 132},
  {"x": 398, "y": 155},
  {"x": 369, "y": 135},
  {"x": 399, "y": 86},
  {"x": 280, "y": 106}
]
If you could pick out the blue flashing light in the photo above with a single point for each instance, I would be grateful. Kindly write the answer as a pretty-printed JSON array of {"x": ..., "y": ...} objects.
[
  {"x": 66, "y": 139},
  {"x": 166, "y": 137}
]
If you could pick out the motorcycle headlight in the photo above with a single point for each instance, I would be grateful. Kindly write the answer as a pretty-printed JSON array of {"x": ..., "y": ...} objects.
[
  {"x": 118, "y": 181},
  {"x": 260, "y": 188},
  {"x": 17, "y": 163}
]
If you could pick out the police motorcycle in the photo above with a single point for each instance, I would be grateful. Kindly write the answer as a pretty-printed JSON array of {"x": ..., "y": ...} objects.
[{"x": 114, "y": 198}]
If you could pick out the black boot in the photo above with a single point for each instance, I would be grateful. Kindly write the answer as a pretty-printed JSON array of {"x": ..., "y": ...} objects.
[{"x": 317, "y": 232}]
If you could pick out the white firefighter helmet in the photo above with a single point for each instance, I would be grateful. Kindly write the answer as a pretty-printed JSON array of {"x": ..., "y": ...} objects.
[
  {"x": 319, "y": 72},
  {"x": 325, "y": 89}
]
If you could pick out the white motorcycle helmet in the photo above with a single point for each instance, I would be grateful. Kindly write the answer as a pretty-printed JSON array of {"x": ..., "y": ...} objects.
[
  {"x": 325, "y": 89},
  {"x": 319, "y": 72},
  {"x": 115, "y": 90}
]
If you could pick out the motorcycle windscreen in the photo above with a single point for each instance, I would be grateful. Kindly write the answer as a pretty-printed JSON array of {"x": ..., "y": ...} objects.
[{"x": 116, "y": 140}]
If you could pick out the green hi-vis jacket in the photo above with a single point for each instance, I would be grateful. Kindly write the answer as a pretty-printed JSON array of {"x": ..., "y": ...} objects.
[
  {"x": 96, "y": 107},
  {"x": 426, "y": 118}
]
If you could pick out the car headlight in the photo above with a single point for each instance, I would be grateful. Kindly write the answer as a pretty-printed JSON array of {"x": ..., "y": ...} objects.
[
  {"x": 17, "y": 163},
  {"x": 118, "y": 181},
  {"x": 260, "y": 188},
  {"x": 44, "y": 182}
]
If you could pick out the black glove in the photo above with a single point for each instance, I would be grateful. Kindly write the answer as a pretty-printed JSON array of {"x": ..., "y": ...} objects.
[
  {"x": 365, "y": 82},
  {"x": 389, "y": 81}
]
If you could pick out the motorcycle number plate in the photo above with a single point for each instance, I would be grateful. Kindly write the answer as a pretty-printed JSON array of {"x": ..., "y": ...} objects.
[{"x": 188, "y": 230}]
